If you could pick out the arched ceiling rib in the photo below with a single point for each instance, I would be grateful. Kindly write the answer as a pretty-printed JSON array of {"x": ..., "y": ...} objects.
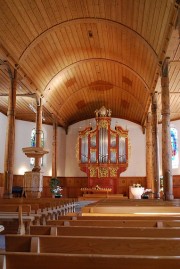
[
  {"x": 80, "y": 21},
  {"x": 79, "y": 55}
]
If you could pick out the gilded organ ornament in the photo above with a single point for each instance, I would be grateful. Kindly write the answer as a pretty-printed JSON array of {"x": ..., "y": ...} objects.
[{"x": 103, "y": 152}]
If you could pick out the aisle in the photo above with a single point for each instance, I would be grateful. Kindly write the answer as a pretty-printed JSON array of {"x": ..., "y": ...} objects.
[{"x": 80, "y": 204}]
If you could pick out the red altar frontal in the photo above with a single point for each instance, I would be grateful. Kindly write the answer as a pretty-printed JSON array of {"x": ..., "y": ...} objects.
[{"x": 103, "y": 152}]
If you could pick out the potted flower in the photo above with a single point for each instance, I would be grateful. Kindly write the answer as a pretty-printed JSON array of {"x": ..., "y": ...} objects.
[{"x": 55, "y": 188}]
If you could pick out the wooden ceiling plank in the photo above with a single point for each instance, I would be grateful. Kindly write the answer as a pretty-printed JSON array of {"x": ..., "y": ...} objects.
[
  {"x": 147, "y": 19},
  {"x": 48, "y": 8},
  {"x": 19, "y": 12},
  {"x": 34, "y": 15},
  {"x": 163, "y": 28},
  {"x": 61, "y": 11},
  {"x": 140, "y": 16},
  {"x": 54, "y": 52},
  {"x": 47, "y": 53},
  {"x": 61, "y": 53}
]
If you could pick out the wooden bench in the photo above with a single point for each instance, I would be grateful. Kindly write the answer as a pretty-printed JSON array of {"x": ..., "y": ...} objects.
[
  {"x": 88, "y": 261},
  {"x": 138, "y": 202},
  {"x": 93, "y": 245},
  {"x": 105, "y": 231},
  {"x": 130, "y": 217},
  {"x": 20, "y": 213},
  {"x": 116, "y": 209},
  {"x": 50, "y": 208},
  {"x": 116, "y": 223}
]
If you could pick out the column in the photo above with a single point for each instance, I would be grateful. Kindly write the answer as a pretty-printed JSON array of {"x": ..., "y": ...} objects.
[
  {"x": 166, "y": 136},
  {"x": 37, "y": 166},
  {"x": 149, "y": 167},
  {"x": 155, "y": 147},
  {"x": 10, "y": 135},
  {"x": 54, "y": 149}
]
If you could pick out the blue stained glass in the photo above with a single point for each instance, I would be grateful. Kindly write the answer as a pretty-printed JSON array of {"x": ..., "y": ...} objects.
[{"x": 174, "y": 147}]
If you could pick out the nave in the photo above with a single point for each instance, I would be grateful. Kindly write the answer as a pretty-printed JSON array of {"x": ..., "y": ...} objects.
[{"x": 70, "y": 237}]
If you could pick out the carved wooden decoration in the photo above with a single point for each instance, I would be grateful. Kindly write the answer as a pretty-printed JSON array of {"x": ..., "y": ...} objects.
[{"x": 103, "y": 152}]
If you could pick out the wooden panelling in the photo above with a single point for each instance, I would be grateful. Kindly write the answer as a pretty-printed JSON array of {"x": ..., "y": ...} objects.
[
  {"x": 86, "y": 54},
  {"x": 72, "y": 185}
]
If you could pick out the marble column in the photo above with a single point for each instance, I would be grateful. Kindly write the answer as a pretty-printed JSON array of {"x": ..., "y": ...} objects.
[
  {"x": 155, "y": 147},
  {"x": 10, "y": 135},
  {"x": 149, "y": 167},
  {"x": 166, "y": 135}
]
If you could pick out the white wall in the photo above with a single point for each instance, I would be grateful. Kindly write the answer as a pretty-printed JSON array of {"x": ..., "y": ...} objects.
[
  {"x": 23, "y": 139},
  {"x": 67, "y": 164}
]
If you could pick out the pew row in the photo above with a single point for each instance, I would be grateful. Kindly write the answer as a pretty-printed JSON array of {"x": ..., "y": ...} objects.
[
  {"x": 105, "y": 231},
  {"x": 67, "y": 205},
  {"x": 88, "y": 261},
  {"x": 110, "y": 209},
  {"x": 31, "y": 211},
  {"x": 130, "y": 217},
  {"x": 138, "y": 202},
  {"x": 93, "y": 245},
  {"x": 19, "y": 213},
  {"x": 116, "y": 223}
]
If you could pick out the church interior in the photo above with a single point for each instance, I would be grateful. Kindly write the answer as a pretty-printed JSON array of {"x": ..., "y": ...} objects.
[{"x": 89, "y": 134}]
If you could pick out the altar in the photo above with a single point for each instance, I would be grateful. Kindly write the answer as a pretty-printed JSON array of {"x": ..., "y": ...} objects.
[
  {"x": 99, "y": 193},
  {"x": 95, "y": 190}
]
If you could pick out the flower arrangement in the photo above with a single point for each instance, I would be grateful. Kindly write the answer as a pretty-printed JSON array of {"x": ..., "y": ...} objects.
[{"x": 55, "y": 188}]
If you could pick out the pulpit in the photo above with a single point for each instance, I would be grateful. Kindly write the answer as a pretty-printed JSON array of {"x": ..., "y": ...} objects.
[
  {"x": 33, "y": 184},
  {"x": 33, "y": 180}
]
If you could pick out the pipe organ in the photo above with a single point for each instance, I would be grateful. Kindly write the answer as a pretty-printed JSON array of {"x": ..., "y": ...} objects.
[{"x": 103, "y": 152}]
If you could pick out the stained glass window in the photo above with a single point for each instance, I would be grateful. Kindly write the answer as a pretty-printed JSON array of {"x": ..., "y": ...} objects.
[
  {"x": 174, "y": 147},
  {"x": 33, "y": 144}
]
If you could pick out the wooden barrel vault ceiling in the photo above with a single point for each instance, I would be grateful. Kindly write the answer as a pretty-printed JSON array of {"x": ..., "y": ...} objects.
[{"x": 79, "y": 55}]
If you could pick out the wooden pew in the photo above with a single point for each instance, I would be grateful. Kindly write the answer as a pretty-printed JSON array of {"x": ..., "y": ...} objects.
[
  {"x": 93, "y": 245},
  {"x": 117, "y": 223},
  {"x": 50, "y": 208},
  {"x": 130, "y": 217},
  {"x": 20, "y": 213},
  {"x": 105, "y": 231},
  {"x": 111, "y": 209},
  {"x": 106, "y": 223},
  {"x": 88, "y": 261},
  {"x": 139, "y": 202}
]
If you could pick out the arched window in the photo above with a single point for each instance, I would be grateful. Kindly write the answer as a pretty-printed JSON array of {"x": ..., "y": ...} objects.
[
  {"x": 33, "y": 144},
  {"x": 174, "y": 146}
]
